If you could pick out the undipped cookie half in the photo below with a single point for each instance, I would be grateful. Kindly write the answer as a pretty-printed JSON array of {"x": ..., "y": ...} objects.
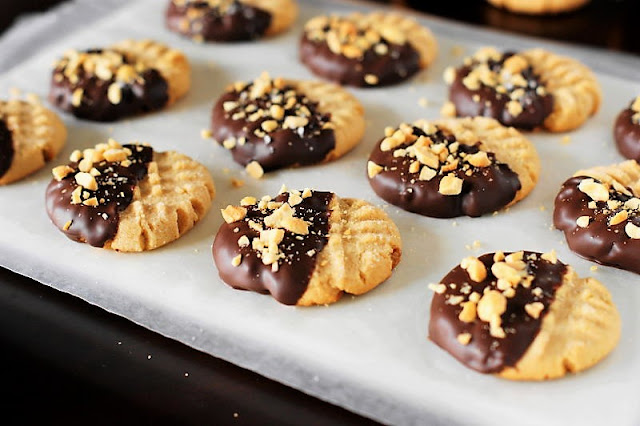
[
  {"x": 30, "y": 135},
  {"x": 306, "y": 247},
  {"x": 128, "y": 78},
  {"x": 278, "y": 123},
  {"x": 230, "y": 20},
  {"x": 522, "y": 316},
  {"x": 455, "y": 167},
  {"x": 376, "y": 49},
  {"x": 599, "y": 212},
  {"x": 128, "y": 197},
  {"x": 529, "y": 89},
  {"x": 626, "y": 131}
]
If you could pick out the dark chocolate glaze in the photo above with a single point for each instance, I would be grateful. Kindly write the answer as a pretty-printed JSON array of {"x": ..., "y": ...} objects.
[
  {"x": 149, "y": 92},
  {"x": 6, "y": 148},
  {"x": 97, "y": 225},
  {"x": 280, "y": 148},
  {"x": 485, "y": 353},
  {"x": 290, "y": 282},
  {"x": 400, "y": 63},
  {"x": 488, "y": 188},
  {"x": 535, "y": 110},
  {"x": 599, "y": 242},
  {"x": 239, "y": 22},
  {"x": 627, "y": 135}
]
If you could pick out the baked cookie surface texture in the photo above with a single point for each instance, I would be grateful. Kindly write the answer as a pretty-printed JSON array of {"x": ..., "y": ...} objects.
[
  {"x": 626, "y": 131},
  {"x": 522, "y": 316},
  {"x": 306, "y": 247},
  {"x": 128, "y": 78},
  {"x": 376, "y": 49},
  {"x": 30, "y": 135},
  {"x": 455, "y": 167},
  {"x": 230, "y": 20},
  {"x": 128, "y": 197},
  {"x": 281, "y": 123},
  {"x": 598, "y": 210},
  {"x": 529, "y": 89}
]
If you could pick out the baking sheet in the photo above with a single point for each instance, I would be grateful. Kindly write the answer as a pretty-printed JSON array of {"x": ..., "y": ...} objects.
[{"x": 368, "y": 354}]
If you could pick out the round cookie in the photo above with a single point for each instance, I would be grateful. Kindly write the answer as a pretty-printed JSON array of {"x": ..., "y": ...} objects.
[
  {"x": 453, "y": 167},
  {"x": 366, "y": 50},
  {"x": 30, "y": 135},
  {"x": 230, "y": 20},
  {"x": 522, "y": 316},
  {"x": 539, "y": 7},
  {"x": 269, "y": 123},
  {"x": 533, "y": 88},
  {"x": 599, "y": 212},
  {"x": 626, "y": 131},
  {"x": 128, "y": 78},
  {"x": 306, "y": 247},
  {"x": 128, "y": 198}
]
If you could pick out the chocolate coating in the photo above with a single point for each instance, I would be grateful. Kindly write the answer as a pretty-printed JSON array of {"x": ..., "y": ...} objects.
[
  {"x": 487, "y": 189},
  {"x": 239, "y": 22},
  {"x": 400, "y": 63},
  {"x": 599, "y": 242},
  {"x": 97, "y": 225},
  {"x": 490, "y": 103},
  {"x": 280, "y": 148},
  {"x": 627, "y": 135},
  {"x": 485, "y": 353},
  {"x": 6, "y": 148},
  {"x": 149, "y": 92},
  {"x": 291, "y": 280}
]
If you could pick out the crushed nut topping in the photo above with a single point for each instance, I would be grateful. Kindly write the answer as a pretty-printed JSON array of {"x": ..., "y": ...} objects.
[
  {"x": 274, "y": 105},
  {"x": 509, "y": 74},
  {"x": 635, "y": 107},
  {"x": 353, "y": 36}
]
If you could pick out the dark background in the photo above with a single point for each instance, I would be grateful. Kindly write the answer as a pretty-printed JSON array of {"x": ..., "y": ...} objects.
[{"x": 68, "y": 362}]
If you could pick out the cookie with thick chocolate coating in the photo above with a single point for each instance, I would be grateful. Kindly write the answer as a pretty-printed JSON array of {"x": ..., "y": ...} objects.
[
  {"x": 306, "y": 247},
  {"x": 626, "y": 131},
  {"x": 375, "y": 49},
  {"x": 523, "y": 316},
  {"x": 230, "y": 20},
  {"x": 539, "y": 7},
  {"x": 455, "y": 167},
  {"x": 529, "y": 89},
  {"x": 276, "y": 123},
  {"x": 30, "y": 135},
  {"x": 598, "y": 210},
  {"x": 128, "y": 198},
  {"x": 125, "y": 79}
]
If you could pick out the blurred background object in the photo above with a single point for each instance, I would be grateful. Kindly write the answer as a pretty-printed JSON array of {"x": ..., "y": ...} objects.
[{"x": 539, "y": 7}]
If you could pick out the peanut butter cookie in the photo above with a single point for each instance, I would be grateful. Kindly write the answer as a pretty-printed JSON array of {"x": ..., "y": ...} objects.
[
  {"x": 539, "y": 7},
  {"x": 270, "y": 123},
  {"x": 128, "y": 197},
  {"x": 306, "y": 247},
  {"x": 455, "y": 167},
  {"x": 523, "y": 316},
  {"x": 128, "y": 78},
  {"x": 366, "y": 50},
  {"x": 530, "y": 89}
]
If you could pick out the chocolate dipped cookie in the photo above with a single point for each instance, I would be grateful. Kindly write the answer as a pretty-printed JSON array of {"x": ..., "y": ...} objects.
[
  {"x": 370, "y": 50},
  {"x": 30, "y": 135},
  {"x": 598, "y": 210},
  {"x": 306, "y": 247},
  {"x": 270, "y": 124},
  {"x": 522, "y": 316},
  {"x": 128, "y": 198},
  {"x": 126, "y": 79},
  {"x": 626, "y": 131},
  {"x": 230, "y": 20},
  {"x": 529, "y": 89},
  {"x": 455, "y": 167}
]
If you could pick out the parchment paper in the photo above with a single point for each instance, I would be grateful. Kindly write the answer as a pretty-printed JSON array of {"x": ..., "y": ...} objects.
[{"x": 368, "y": 354}]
